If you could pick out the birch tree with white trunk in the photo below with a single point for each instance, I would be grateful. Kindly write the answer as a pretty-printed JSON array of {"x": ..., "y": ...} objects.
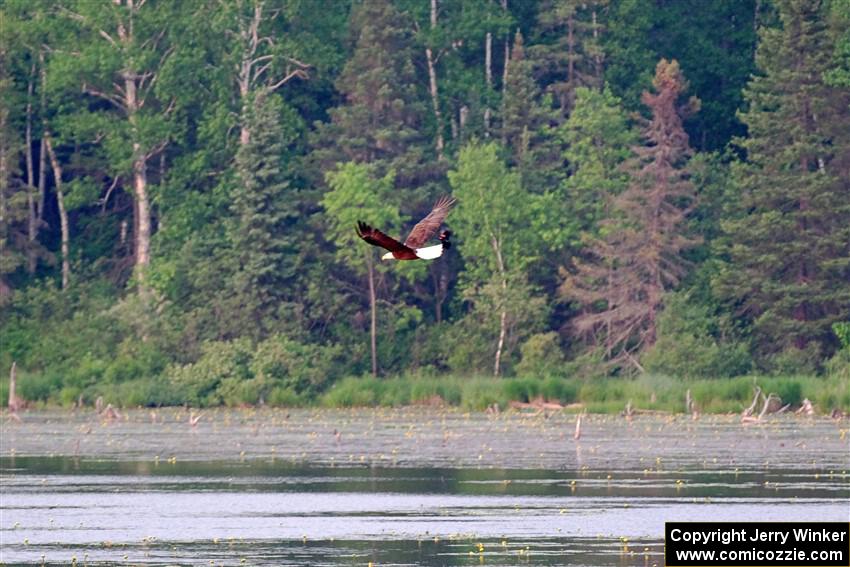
[
  {"x": 127, "y": 47},
  {"x": 497, "y": 219}
]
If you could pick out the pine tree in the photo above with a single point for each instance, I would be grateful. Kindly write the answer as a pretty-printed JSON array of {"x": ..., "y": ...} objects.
[
  {"x": 598, "y": 139},
  {"x": 528, "y": 125},
  {"x": 639, "y": 256},
  {"x": 569, "y": 52},
  {"x": 628, "y": 52},
  {"x": 380, "y": 121},
  {"x": 839, "y": 74},
  {"x": 789, "y": 249},
  {"x": 263, "y": 240},
  {"x": 714, "y": 43},
  {"x": 12, "y": 192}
]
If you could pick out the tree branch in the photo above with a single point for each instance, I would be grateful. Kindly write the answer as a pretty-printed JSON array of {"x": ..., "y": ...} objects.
[
  {"x": 109, "y": 192},
  {"x": 108, "y": 38},
  {"x": 156, "y": 149},
  {"x": 108, "y": 97},
  {"x": 291, "y": 75}
]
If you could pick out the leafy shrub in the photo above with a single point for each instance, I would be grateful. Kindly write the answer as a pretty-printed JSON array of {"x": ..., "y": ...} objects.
[
  {"x": 39, "y": 387},
  {"x": 842, "y": 331},
  {"x": 839, "y": 365},
  {"x": 541, "y": 356},
  {"x": 69, "y": 395},
  {"x": 220, "y": 362},
  {"x": 688, "y": 345},
  {"x": 795, "y": 361},
  {"x": 284, "y": 397},
  {"x": 301, "y": 368}
]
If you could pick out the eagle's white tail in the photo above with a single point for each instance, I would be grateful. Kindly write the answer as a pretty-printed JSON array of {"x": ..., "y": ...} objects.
[{"x": 430, "y": 252}]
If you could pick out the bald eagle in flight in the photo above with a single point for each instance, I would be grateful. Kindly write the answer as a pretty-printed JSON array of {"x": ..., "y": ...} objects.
[{"x": 414, "y": 247}]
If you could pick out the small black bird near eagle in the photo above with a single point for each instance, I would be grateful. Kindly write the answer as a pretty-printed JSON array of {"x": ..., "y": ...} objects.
[{"x": 414, "y": 247}]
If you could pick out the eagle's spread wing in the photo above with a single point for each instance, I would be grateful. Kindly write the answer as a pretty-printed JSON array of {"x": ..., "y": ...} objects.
[
  {"x": 377, "y": 238},
  {"x": 427, "y": 227}
]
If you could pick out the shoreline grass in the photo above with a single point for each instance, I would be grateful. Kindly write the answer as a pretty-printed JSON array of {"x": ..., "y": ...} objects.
[
  {"x": 475, "y": 393},
  {"x": 600, "y": 395}
]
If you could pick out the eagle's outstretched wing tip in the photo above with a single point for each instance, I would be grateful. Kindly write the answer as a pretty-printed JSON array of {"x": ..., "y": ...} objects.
[{"x": 428, "y": 226}]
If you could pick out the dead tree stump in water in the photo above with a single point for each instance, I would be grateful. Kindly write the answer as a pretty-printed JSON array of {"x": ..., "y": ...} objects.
[
  {"x": 690, "y": 406},
  {"x": 749, "y": 411},
  {"x": 15, "y": 402},
  {"x": 807, "y": 408}
]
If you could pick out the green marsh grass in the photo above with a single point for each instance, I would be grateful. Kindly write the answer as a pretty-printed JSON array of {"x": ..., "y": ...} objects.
[
  {"x": 473, "y": 393},
  {"x": 600, "y": 395}
]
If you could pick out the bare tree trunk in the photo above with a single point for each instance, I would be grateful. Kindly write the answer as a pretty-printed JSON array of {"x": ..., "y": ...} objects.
[
  {"x": 440, "y": 279},
  {"x": 488, "y": 70},
  {"x": 756, "y": 11},
  {"x": 5, "y": 288},
  {"x": 254, "y": 75},
  {"x": 374, "y": 312},
  {"x": 143, "y": 220},
  {"x": 142, "y": 209},
  {"x": 140, "y": 188},
  {"x": 567, "y": 103},
  {"x": 497, "y": 365},
  {"x": 507, "y": 51},
  {"x": 597, "y": 56},
  {"x": 63, "y": 214},
  {"x": 609, "y": 337},
  {"x": 244, "y": 83},
  {"x": 503, "y": 316},
  {"x": 432, "y": 76},
  {"x": 42, "y": 180},
  {"x": 14, "y": 403},
  {"x": 42, "y": 153},
  {"x": 32, "y": 223},
  {"x": 463, "y": 116}
]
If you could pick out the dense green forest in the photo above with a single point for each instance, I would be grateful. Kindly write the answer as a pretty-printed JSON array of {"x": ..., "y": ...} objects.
[{"x": 644, "y": 188}]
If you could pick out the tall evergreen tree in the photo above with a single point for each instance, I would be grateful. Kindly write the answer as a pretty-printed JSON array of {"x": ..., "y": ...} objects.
[
  {"x": 839, "y": 74},
  {"x": 629, "y": 55},
  {"x": 789, "y": 249},
  {"x": 12, "y": 192},
  {"x": 264, "y": 242},
  {"x": 380, "y": 120},
  {"x": 569, "y": 50},
  {"x": 528, "y": 125},
  {"x": 598, "y": 139},
  {"x": 639, "y": 256},
  {"x": 714, "y": 42}
]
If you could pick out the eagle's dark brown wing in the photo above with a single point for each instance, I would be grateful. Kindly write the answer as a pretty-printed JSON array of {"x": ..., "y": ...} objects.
[
  {"x": 427, "y": 227},
  {"x": 377, "y": 238}
]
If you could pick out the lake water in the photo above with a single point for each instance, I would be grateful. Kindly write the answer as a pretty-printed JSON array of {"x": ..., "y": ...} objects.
[{"x": 412, "y": 486}]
